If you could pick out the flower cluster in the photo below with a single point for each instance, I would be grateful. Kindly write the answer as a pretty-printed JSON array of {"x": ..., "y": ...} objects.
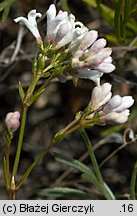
[
  {"x": 62, "y": 28},
  {"x": 12, "y": 120},
  {"x": 89, "y": 58},
  {"x": 111, "y": 110}
]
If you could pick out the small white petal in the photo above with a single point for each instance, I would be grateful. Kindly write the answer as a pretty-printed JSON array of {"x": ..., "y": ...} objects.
[
  {"x": 30, "y": 23},
  {"x": 32, "y": 15},
  {"x": 108, "y": 60},
  {"x": 51, "y": 13},
  {"x": 62, "y": 15},
  {"x": 21, "y": 20},
  {"x": 126, "y": 112},
  {"x": 105, "y": 67}
]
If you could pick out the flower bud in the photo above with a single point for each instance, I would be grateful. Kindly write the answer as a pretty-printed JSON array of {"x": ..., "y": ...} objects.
[
  {"x": 100, "y": 95},
  {"x": 115, "y": 118},
  {"x": 12, "y": 120},
  {"x": 127, "y": 101},
  {"x": 99, "y": 44},
  {"x": 114, "y": 102},
  {"x": 116, "y": 110},
  {"x": 88, "y": 39}
]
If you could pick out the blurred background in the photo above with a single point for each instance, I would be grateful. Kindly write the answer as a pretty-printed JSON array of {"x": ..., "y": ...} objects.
[{"x": 117, "y": 22}]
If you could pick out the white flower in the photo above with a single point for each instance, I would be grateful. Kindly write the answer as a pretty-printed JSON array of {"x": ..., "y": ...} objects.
[
  {"x": 100, "y": 96},
  {"x": 62, "y": 28},
  {"x": 12, "y": 120},
  {"x": 31, "y": 23},
  {"x": 116, "y": 110}
]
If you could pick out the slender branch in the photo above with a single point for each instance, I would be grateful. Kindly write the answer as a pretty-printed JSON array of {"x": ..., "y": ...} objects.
[
  {"x": 58, "y": 137},
  {"x": 37, "y": 160},
  {"x": 20, "y": 140}
]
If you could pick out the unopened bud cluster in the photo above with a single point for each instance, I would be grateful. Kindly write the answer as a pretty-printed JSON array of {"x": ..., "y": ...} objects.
[{"x": 107, "y": 108}]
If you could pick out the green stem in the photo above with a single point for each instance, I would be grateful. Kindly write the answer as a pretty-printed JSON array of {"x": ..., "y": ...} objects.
[
  {"x": 70, "y": 126},
  {"x": 103, "y": 188},
  {"x": 8, "y": 138},
  {"x": 37, "y": 160},
  {"x": 133, "y": 183},
  {"x": 23, "y": 122},
  {"x": 20, "y": 140},
  {"x": 58, "y": 137}
]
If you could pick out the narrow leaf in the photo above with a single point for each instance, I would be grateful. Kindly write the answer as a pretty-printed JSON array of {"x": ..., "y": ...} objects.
[
  {"x": 77, "y": 165},
  {"x": 21, "y": 91},
  {"x": 64, "y": 191}
]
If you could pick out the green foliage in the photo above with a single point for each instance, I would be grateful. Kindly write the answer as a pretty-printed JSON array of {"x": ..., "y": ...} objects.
[
  {"x": 65, "y": 192},
  {"x": 124, "y": 9},
  {"x": 87, "y": 174},
  {"x": 5, "y": 7},
  {"x": 90, "y": 2},
  {"x": 64, "y": 5},
  {"x": 120, "y": 16},
  {"x": 79, "y": 166}
]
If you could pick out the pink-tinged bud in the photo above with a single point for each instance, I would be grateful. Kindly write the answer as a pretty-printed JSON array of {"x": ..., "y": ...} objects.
[
  {"x": 99, "y": 44},
  {"x": 95, "y": 56},
  {"x": 99, "y": 57},
  {"x": 116, "y": 110},
  {"x": 100, "y": 96},
  {"x": 113, "y": 103},
  {"x": 105, "y": 67},
  {"x": 12, "y": 120},
  {"x": 88, "y": 39},
  {"x": 127, "y": 102}
]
